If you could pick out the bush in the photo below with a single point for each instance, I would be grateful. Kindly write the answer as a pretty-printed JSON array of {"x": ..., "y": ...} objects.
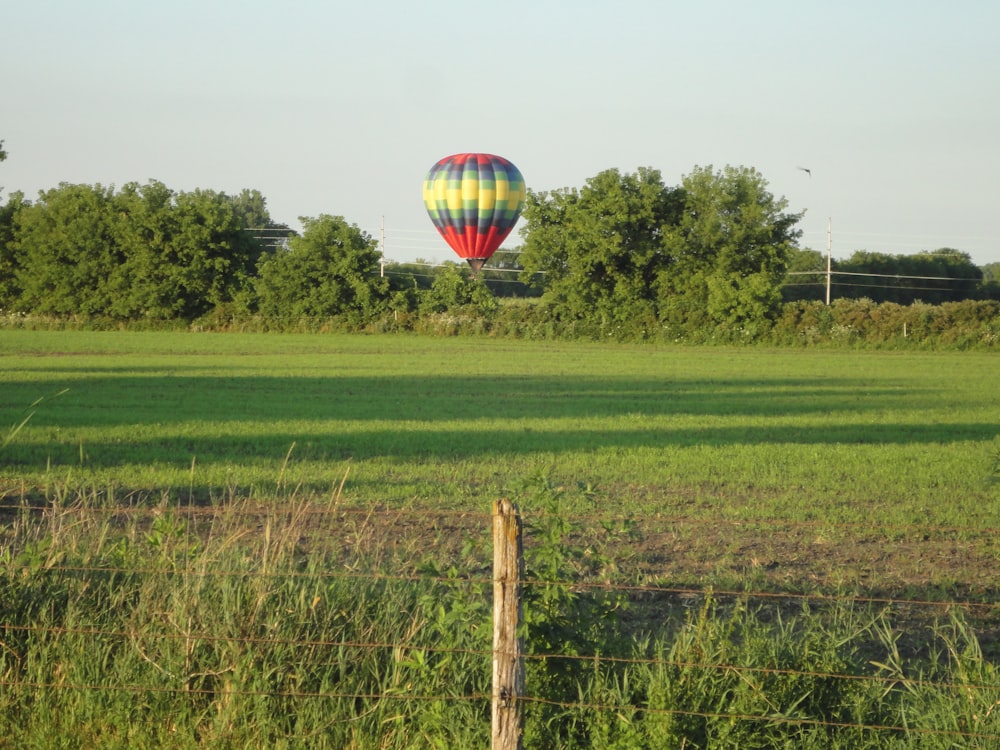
[{"x": 970, "y": 323}]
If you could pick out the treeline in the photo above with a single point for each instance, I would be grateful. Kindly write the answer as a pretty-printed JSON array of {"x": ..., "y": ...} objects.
[
  {"x": 935, "y": 277},
  {"x": 143, "y": 252},
  {"x": 626, "y": 256},
  {"x": 147, "y": 254}
]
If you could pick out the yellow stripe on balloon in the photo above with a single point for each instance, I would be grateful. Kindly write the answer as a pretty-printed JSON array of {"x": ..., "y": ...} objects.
[
  {"x": 470, "y": 189},
  {"x": 503, "y": 188},
  {"x": 487, "y": 199}
]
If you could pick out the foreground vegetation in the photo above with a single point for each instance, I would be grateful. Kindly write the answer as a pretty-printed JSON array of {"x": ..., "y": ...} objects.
[
  {"x": 185, "y": 630},
  {"x": 228, "y": 540}
]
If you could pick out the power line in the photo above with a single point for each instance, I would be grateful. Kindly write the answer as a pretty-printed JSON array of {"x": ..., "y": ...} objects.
[{"x": 883, "y": 275}]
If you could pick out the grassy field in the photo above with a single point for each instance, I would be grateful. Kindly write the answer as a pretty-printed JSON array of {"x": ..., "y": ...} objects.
[
  {"x": 815, "y": 464},
  {"x": 848, "y": 477}
]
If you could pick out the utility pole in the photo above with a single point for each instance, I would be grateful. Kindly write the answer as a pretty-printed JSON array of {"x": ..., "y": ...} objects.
[
  {"x": 381, "y": 246},
  {"x": 829, "y": 262}
]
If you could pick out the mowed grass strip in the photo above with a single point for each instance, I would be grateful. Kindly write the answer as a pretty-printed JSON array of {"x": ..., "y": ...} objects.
[{"x": 820, "y": 445}]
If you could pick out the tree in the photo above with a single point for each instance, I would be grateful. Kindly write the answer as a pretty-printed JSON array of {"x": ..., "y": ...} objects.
[
  {"x": 943, "y": 275},
  {"x": 805, "y": 275},
  {"x": 729, "y": 251},
  {"x": 964, "y": 276},
  {"x": 66, "y": 251},
  {"x": 185, "y": 253},
  {"x": 144, "y": 252},
  {"x": 10, "y": 289},
  {"x": 990, "y": 287},
  {"x": 145, "y": 230},
  {"x": 626, "y": 252},
  {"x": 213, "y": 257},
  {"x": 452, "y": 289},
  {"x": 502, "y": 275},
  {"x": 331, "y": 270},
  {"x": 600, "y": 248}
]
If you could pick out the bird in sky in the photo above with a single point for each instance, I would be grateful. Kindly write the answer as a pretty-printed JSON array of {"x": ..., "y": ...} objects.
[{"x": 807, "y": 171}]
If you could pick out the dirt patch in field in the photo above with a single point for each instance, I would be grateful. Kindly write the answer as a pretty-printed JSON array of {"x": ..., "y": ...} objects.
[
  {"x": 766, "y": 555},
  {"x": 662, "y": 560},
  {"x": 665, "y": 563}
]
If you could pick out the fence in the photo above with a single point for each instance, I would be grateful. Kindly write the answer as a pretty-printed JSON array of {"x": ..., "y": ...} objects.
[{"x": 331, "y": 626}]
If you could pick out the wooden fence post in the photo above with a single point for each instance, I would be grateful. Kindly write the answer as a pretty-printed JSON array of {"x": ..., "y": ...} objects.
[{"x": 508, "y": 661}]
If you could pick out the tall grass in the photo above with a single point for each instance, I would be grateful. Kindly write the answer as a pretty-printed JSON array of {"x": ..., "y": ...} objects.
[
  {"x": 223, "y": 630},
  {"x": 247, "y": 626}
]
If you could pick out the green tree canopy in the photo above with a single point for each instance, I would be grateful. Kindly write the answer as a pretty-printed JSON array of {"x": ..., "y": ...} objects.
[
  {"x": 10, "y": 289},
  {"x": 805, "y": 275},
  {"x": 600, "y": 248},
  {"x": 143, "y": 252},
  {"x": 990, "y": 287},
  {"x": 730, "y": 251},
  {"x": 453, "y": 289},
  {"x": 65, "y": 251},
  {"x": 331, "y": 270},
  {"x": 627, "y": 252},
  {"x": 943, "y": 275},
  {"x": 3, "y": 157}
]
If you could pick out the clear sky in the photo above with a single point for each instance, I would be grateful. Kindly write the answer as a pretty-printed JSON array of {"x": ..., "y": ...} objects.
[{"x": 341, "y": 107}]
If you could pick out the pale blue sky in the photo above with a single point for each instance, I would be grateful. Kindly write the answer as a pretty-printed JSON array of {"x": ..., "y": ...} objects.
[{"x": 340, "y": 108}]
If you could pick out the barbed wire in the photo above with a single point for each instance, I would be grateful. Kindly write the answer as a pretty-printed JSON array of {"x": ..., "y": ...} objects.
[
  {"x": 489, "y": 653},
  {"x": 321, "y": 508},
  {"x": 402, "y": 695},
  {"x": 199, "y": 569},
  {"x": 770, "y": 718},
  {"x": 179, "y": 569},
  {"x": 882, "y": 275}
]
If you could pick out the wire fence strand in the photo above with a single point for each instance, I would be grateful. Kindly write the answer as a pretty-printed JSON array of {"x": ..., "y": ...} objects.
[{"x": 182, "y": 566}]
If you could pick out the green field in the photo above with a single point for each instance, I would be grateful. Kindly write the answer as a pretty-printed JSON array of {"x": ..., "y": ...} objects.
[
  {"x": 229, "y": 541},
  {"x": 822, "y": 458}
]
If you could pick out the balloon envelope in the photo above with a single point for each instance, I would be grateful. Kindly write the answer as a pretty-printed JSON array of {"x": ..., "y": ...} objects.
[{"x": 474, "y": 201}]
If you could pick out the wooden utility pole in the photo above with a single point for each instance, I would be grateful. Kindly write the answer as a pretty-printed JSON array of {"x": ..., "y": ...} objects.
[
  {"x": 829, "y": 256},
  {"x": 381, "y": 247},
  {"x": 508, "y": 659}
]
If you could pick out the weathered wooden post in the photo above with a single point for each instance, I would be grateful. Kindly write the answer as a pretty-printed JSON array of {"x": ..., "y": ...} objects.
[{"x": 508, "y": 660}]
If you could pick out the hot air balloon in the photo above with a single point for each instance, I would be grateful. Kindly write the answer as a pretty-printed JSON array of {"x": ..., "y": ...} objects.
[{"x": 474, "y": 201}]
